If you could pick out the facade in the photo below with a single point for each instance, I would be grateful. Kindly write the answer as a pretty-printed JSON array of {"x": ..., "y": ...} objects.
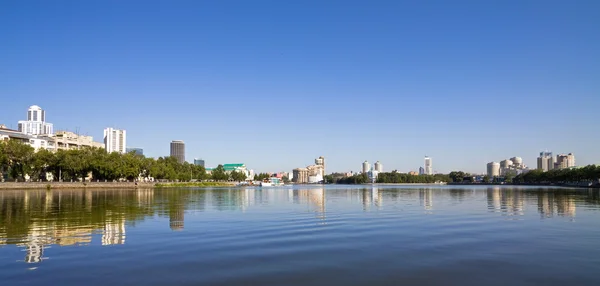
[
  {"x": 366, "y": 167},
  {"x": 493, "y": 169},
  {"x": 36, "y": 122},
  {"x": 199, "y": 162},
  {"x": 545, "y": 161},
  {"x": 321, "y": 162},
  {"x": 413, "y": 173},
  {"x": 178, "y": 150},
  {"x": 517, "y": 162},
  {"x": 300, "y": 176},
  {"x": 378, "y": 167},
  {"x": 564, "y": 161},
  {"x": 65, "y": 140},
  {"x": 115, "y": 140},
  {"x": 421, "y": 171},
  {"x": 137, "y": 151},
  {"x": 428, "y": 166}
]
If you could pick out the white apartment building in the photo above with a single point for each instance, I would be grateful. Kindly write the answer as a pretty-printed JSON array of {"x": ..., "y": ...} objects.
[
  {"x": 115, "y": 140},
  {"x": 36, "y": 122},
  {"x": 428, "y": 166}
]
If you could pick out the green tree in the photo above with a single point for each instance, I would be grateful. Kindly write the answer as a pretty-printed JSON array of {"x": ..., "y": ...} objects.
[{"x": 219, "y": 174}]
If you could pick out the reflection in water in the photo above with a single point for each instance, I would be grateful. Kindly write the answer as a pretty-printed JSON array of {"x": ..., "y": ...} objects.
[
  {"x": 426, "y": 198},
  {"x": 35, "y": 220}
]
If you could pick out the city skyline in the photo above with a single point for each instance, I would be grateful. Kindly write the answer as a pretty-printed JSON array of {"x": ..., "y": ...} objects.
[{"x": 398, "y": 61}]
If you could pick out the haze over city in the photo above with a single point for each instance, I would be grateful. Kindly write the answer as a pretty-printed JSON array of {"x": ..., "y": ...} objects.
[{"x": 275, "y": 84}]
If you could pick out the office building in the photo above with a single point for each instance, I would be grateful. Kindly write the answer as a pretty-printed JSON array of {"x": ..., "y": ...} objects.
[
  {"x": 199, "y": 162},
  {"x": 421, "y": 171},
  {"x": 115, "y": 140},
  {"x": 178, "y": 150},
  {"x": 137, "y": 151},
  {"x": 493, "y": 169},
  {"x": 545, "y": 161},
  {"x": 428, "y": 166},
  {"x": 36, "y": 122},
  {"x": 517, "y": 162}
]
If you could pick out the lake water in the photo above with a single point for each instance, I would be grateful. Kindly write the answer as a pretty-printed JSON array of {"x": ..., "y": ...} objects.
[{"x": 337, "y": 235}]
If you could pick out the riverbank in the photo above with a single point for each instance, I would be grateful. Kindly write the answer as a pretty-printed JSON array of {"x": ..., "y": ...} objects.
[
  {"x": 106, "y": 185},
  {"x": 565, "y": 185}
]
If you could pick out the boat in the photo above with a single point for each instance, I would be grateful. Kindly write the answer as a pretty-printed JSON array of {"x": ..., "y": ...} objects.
[{"x": 272, "y": 182}]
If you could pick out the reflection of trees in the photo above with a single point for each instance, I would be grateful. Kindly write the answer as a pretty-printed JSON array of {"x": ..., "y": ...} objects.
[{"x": 34, "y": 219}]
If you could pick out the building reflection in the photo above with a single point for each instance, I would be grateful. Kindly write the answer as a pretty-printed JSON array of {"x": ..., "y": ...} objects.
[
  {"x": 314, "y": 199},
  {"x": 36, "y": 220},
  {"x": 426, "y": 198}
]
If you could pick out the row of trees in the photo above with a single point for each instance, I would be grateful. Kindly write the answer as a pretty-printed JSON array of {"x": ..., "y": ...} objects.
[
  {"x": 589, "y": 173},
  {"x": 392, "y": 178},
  {"x": 18, "y": 160}
]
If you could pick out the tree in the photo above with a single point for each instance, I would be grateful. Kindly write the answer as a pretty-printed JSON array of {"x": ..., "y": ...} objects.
[
  {"x": 486, "y": 179},
  {"x": 219, "y": 174},
  {"x": 238, "y": 176}
]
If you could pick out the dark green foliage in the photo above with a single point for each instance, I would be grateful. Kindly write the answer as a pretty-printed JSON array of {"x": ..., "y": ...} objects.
[
  {"x": 589, "y": 173},
  {"x": 19, "y": 159}
]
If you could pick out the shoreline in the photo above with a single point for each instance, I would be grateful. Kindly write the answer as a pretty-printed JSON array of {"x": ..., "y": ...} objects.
[{"x": 105, "y": 185}]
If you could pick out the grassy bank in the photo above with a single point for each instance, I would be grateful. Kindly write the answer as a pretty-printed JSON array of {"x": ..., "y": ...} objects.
[{"x": 195, "y": 184}]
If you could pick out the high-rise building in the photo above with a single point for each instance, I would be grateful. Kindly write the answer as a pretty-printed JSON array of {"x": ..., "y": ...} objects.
[
  {"x": 138, "y": 151},
  {"x": 178, "y": 150},
  {"x": 366, "y": 167},
  {"x": 421, "y": 171},
  {"x": 115, "y": 140},
  {"x": 564, "y": 161},
  {"x": 517, "y": 162},
  {"x": 199, "y": 162},
  {"x": 545, "y": 161},
  {"x": 428, "y": 166},
  {"x": 378, "y": 167},
  {"x": 36, "y": 122},
  {"x": 493, "y": 169},
  {"x": 321, "y": 162}
]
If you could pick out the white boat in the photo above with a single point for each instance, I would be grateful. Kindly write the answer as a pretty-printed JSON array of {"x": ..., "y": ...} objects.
[{"x": 272, "y": 182}]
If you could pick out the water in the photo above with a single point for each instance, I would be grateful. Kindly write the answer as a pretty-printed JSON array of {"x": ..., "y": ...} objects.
[{"x": 338, "y": 235}]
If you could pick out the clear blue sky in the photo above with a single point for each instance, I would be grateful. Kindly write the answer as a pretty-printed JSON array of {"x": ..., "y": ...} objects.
[{"x": 275, "y": 84}]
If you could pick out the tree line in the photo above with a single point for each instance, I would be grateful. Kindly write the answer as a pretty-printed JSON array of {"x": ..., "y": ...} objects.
[
  {"x": 393, "y": 177},
  {"x": 18, "y": 160},
  {"x": 590, "y": 173}
]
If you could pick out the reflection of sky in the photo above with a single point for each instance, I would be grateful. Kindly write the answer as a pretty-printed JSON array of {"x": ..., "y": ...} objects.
[{"x": 70, "y": 218}]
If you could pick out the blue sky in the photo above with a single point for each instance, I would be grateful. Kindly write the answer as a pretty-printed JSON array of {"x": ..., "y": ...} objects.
[{"x": 275, "y": 84}]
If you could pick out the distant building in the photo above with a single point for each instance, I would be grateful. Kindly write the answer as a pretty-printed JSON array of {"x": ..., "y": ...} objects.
[
  {"x": 321, "y": 162},
  {"x": 36, "y": 122},
  {"x": 517, "y": 162},
  {"x": 413, "y": 173},
  {"x": 115, "y": 140},
  {"x": 428, "y": 166},
  {"x": 138, "y": 151},
  {"x": 564, "y": 161},
  {"x": 300, "y": 175},
  {"x": 493, "y": 169},
  {"x": 366, "y": 167},
  {"x": 65, "y": 140},
  {"x": 178, "y": 150},
  {"x": 421, "y": 171},
  {"x": 199, "y": 162},
  {"x": 545, "y": 161},
  {"x": 378, "y": 167}
]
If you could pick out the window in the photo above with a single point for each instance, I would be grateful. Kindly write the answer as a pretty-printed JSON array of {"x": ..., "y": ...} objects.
[{"x": 35, "y": 116}]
